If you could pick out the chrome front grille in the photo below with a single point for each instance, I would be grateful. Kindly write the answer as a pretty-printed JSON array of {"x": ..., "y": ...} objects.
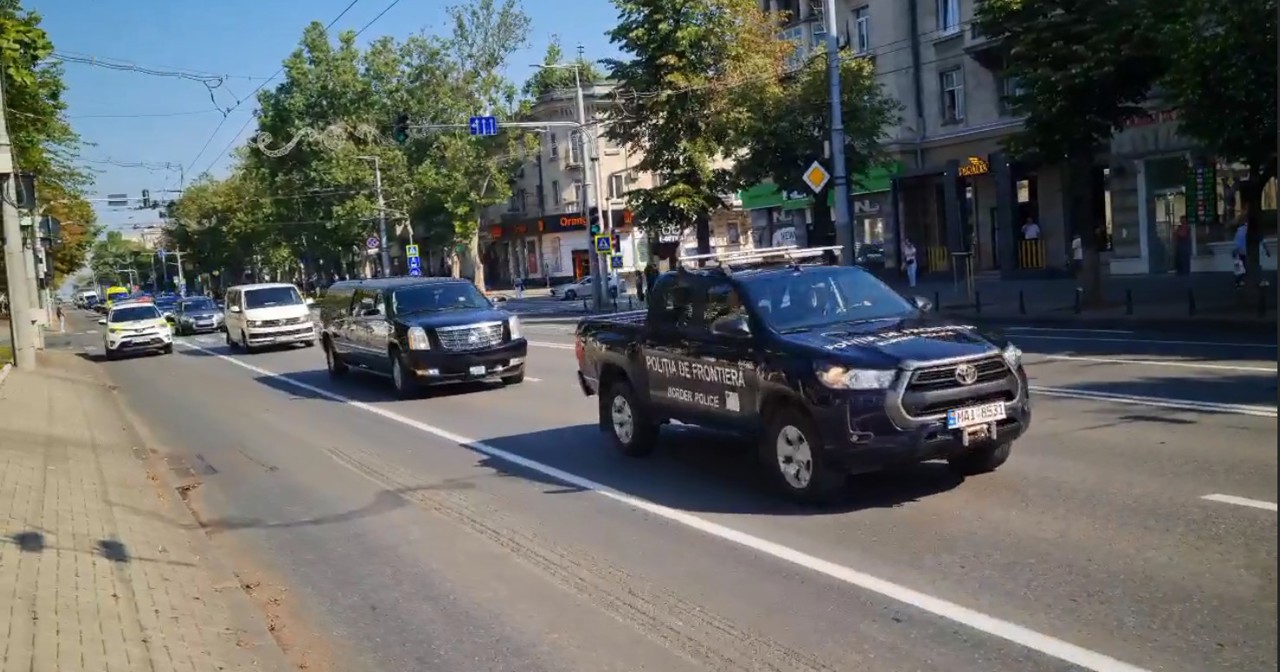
[
  {"x": 944, "y": 377},
  {"x": 470, "y": 336}
]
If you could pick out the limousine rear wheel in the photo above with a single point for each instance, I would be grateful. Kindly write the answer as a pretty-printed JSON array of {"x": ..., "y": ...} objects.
[
  {"x": 333, "y": 361},
  {"x": 402, "y": 377}
]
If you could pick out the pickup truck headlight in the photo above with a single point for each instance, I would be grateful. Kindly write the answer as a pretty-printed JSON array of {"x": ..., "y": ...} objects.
[
  {"x": 843, "y": 378},
  {"x": 417, "y": 337},
  {"x": 513, "y": 324},
  {"x": 1012, "y": 355}
]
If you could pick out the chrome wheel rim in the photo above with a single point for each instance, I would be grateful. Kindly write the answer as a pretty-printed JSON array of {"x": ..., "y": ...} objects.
[
  {"x": 624, "y": 422},
  {"x": 795, "y": 457}
]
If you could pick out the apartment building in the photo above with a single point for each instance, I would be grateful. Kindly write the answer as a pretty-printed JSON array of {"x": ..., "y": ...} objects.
[{"x": 541, "y": 233}]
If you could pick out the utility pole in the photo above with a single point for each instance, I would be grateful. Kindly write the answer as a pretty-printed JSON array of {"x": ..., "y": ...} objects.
[
  {"x": 840, "y": 175},
  {"x": 22, "y": 326},
  {"x": 382, "y": 215}
]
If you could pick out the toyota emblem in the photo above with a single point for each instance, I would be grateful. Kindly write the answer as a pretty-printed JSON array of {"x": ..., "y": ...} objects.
[{"x": 966, "y": 374}]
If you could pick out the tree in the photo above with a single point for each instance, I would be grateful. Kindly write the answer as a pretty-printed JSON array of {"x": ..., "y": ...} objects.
[
  {"x": 44, "y": 143},
  {"x": 546, "y": 80},
  {"x": 1222, "y": 80},
  {"x": 1083, "y": 67},
  {"x": 693, "y": 71},
  {"x": 113, "y": 253},
  {"x": 790, "y": 130}
]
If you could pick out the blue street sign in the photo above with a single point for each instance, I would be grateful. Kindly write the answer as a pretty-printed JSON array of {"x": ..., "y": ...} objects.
[
  {"x": 415, "y": 272},
  {"x": 484, "y": 125},
  {"x": 615, "y": 262},
  {"x": 604, "y": 244},
  {"x": 373, "y": 243},
  {"x": 415, "y": 263}
]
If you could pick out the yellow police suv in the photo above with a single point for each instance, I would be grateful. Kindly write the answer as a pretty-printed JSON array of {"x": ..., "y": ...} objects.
[{"x": 136, "y": 327}]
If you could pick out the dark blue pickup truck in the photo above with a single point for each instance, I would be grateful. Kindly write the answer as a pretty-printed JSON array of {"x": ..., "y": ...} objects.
[{"x": 830, "y": 369}]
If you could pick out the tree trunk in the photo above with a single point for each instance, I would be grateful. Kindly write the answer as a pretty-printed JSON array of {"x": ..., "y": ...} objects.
[
  {"x": 477, "y": 265},
  {"x": 1080, "y": 195}
]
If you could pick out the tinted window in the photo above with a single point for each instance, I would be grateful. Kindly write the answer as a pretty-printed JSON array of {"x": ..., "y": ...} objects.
[
  {"x": 367, "y": 300},
  {"x": 674, "y": 301},
  {"x": 820, "y": 296},
  {"x": 270, "y": 297},
  {"x": 443, "y": 296},
  {"x": 193, "y": 305},
  {"x": 722, "y": 301},
  {"x": 133, "y": 313}
]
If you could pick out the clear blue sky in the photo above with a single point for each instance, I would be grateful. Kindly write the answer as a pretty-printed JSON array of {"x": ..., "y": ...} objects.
[{"x": 245, "y": 39}]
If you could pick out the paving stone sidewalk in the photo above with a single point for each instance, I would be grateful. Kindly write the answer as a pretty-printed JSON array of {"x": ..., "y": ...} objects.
[{"x": 101, "y": 567}]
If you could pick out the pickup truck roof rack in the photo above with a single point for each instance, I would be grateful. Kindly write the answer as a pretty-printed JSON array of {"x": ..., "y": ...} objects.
[{"x": 790, "y": 255}]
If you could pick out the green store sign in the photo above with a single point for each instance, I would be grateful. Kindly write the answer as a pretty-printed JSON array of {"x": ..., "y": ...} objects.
[{"x": 770, "y": 196}]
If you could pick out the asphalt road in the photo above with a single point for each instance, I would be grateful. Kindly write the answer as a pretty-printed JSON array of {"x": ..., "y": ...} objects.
[{"x": 490, "y": 528}]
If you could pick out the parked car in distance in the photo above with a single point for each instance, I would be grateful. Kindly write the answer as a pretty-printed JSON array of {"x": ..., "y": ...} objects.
[
  {"x": 580, "y": 289},
  {"x": 420, "y": 331}
]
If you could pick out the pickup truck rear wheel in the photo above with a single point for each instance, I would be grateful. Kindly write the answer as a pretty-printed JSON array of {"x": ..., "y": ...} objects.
[
  {"x": 634, "y": 435},
  {"x": 982, "y": 459},
  {"x": 792, "y": 453}
]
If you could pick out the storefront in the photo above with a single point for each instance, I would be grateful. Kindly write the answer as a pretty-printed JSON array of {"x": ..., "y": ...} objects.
[{"x": 557, "y": 247}]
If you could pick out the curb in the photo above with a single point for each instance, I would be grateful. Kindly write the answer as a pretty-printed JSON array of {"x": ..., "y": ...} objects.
[
  {"x": 246, "y": 616},
  {"x": 1163, "y": 323}
]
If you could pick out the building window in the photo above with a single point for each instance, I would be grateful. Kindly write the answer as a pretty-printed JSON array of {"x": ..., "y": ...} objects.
[
  {"x": 555, "y": 145},
  {"x": 616, "y": 186},
  {"x": 523, "y": 195},
  {"x": 577, "y": 193},
  {"x": 514, "y": 204},
  {"x": 1010, "y": 87},
  {"x": 817, "y": 37},
  {"x": 952, "y": 87},
  {"x": 862, "y": 30},
  {"x": 555, "y": 192},
  {"x": 798, "y": 54},
  {"x": 575, "y": 148},
  {"x": 948, "y": 16}
]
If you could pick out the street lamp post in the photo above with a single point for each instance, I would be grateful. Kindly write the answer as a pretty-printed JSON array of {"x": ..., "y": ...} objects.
[
  {"x": 589, "y": 195},
  {"x": 840, "y": 175},
  {"x": 382, "y": 214}
]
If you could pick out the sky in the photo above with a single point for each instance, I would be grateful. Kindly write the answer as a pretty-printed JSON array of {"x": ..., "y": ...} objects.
[{"x": 133, "y": 118}]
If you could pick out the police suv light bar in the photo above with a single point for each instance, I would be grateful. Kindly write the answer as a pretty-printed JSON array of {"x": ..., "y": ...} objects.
[{"x": 787, "y": 253}]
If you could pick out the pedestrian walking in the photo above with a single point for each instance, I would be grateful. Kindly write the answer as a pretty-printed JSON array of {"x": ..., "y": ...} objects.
[
  {"x": 909, "y": 261},
  {"x": 62, "y": 320}
]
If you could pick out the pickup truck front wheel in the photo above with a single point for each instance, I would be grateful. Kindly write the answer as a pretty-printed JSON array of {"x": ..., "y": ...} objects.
[
  {"x": 634, "y": 435},
  {"x": 793, "y": 454}
]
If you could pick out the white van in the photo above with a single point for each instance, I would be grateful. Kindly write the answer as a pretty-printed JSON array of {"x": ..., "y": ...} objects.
[{"x": 272, "y": 313}]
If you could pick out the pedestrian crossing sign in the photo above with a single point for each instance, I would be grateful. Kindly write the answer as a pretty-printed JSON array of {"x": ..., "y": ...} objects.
[
  {"x": 604, "y": 243},
  {"x": 411, "y": 251},
  {"x": 615, "y": 262}
]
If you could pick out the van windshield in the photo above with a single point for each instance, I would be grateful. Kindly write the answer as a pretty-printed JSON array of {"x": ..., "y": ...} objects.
[{"x": 270, "y": 297}]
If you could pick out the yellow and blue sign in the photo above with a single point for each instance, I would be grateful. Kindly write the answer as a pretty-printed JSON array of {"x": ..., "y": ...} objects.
[
  {"x": 604, "y": 243},
  {"x": 615, "y": 262}
]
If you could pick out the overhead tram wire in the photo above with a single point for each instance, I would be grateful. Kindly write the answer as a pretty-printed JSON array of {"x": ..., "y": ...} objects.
[{"x": 252, "y": 93}]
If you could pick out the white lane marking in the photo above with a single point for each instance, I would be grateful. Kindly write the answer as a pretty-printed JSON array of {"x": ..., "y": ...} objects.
[
  {"x": 1157, "y": 362},
  {"x": 991, "y": 625},
  {"x": 1146, "y": 341},
  {"x": 532, "y": 379},
  {"x": 91, "y": 331},
  {"x": 1073, "y": 331},
  {"x": 557, "y": 346},
  {"x": 1159, "y": 402},
  {"x": 1241, "y": 501}
]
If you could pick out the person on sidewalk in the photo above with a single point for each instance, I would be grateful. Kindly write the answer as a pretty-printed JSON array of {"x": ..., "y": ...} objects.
[
  {"x": 62, "y": 321},
  {"x": 1077, "y": 255},
  {"x": 1182, "y": 247},
  {"x": 1030, "y": 230},
  {"x": 909, "y": 261}
]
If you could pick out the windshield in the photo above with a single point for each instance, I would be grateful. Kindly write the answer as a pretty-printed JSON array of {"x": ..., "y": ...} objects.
[
  {"x": 444, "y": 296},
  {"x": 196, "y": 305},
  {"x": 269, "y": 297},
  {"x": 134, "y": 313},
  {"x": 822, "y": 296},
  {"x": 166, "y": 303}
]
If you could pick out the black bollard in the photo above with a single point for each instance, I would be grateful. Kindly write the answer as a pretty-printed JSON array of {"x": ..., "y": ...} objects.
[
  {"x": 1262, "y": 303},
  {"x": 1191, "y": 302},
  {"x": 1079, "y": 300},
  {"x": 630, "y": 305},
  {"x": 977, "y": 302},
  {"x": 1022, "y": 303},
  {"x": 1128, "y": 302},
  {"x": 937, "y": 301}
]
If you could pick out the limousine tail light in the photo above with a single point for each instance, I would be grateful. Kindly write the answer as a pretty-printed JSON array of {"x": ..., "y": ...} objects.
[{"x": 418, "y": 340}]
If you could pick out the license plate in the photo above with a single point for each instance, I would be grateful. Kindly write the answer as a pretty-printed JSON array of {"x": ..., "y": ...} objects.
[
  {"x": 975, "y": 415},
  {"x": 477, "y": 370}
]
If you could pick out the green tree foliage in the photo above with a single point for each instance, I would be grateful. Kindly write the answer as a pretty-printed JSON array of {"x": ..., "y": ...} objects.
[
  {"x": 113, "y": 253},
  {"x": 789, "y": 130},
  {"x": 317, "y": 201},
  {"x": 548, "y": 79},
  {"x": 1222, "y": 79},
  {"x": 44, "y": 143},
  {"x": 1084, "y": 67},
  {"x": 691, "y": 77}
]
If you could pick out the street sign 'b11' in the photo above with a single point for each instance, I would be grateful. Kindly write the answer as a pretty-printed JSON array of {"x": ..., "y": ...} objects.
[{"x": 593, "y": 221}]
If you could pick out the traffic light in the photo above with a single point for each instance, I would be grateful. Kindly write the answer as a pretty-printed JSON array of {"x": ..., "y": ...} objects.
[
  {"x": 593, "y": 221},
  {"x": 400, "y": 129},
  {"x": 146, "y": 198}
]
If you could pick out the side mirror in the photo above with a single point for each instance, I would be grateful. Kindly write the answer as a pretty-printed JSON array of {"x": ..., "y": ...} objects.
[
  {"x": 923, "y": 304},
  {"x": 103, "y": 321},
  {"x": 499, "y": 299},
  {"x": 310, "y": 301},
  {"x": 234, "y": 309},
  {"x": 733, "y": 326}
]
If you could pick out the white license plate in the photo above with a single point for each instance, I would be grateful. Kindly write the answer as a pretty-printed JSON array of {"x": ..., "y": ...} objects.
[
  {"x": 477, "y": 370},
  {"x": 975, "y": 415}
]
